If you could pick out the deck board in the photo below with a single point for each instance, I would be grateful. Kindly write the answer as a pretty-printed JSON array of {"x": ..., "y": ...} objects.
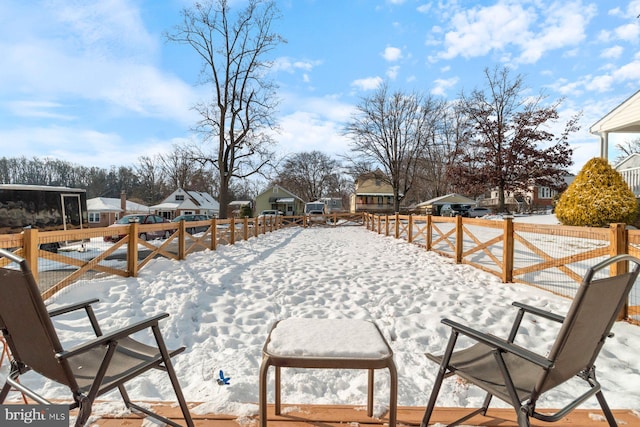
[{"x": 338, "y": 416}]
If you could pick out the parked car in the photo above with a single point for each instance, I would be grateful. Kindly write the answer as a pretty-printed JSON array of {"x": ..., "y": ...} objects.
[
  {"x": 478, "y": 211},
  {"x": 191, "y": 218},
  {"x": 141, "y": 219},
  {"x": 267, "y": 216},
  {"x": 454, "y": 209},
  {"x": 316, "y": 216}
]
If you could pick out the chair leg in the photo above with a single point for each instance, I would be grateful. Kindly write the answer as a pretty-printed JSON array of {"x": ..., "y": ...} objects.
[
  {"x": 432, "y": 399},
  {"x": 4, "y": 392},
  {"x": 172, "y": 375},
  {"x": 523, "y": 417},
  {"x": 607, "y": 411},
  {"x": 442, "y": 370},
  {"x": 85, "y": 406}
]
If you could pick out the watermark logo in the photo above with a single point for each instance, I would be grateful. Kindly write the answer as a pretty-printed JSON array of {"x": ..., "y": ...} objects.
[{"x": 34, "y": 415}]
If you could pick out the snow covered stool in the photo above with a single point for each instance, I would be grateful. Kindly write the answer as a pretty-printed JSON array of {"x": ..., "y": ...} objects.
[{"x": 327, "y": 343}]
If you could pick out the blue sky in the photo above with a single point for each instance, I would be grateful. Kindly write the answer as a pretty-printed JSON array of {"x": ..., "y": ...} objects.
[{"x": 95, "y": 83}]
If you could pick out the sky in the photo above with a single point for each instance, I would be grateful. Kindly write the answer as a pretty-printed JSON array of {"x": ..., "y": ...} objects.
[
  {"x": 223, "y": 303},
  {"x": 97, "y": 84}
]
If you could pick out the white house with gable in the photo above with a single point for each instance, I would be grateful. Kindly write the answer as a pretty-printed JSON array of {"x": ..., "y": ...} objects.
[{"x": 185, "y": 202}]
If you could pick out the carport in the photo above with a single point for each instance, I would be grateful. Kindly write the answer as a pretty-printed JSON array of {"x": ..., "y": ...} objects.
[{"x": 625, "y": 118}]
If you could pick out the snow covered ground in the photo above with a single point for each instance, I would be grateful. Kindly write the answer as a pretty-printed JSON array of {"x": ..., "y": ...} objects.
[{"x": 223, "y": 304}]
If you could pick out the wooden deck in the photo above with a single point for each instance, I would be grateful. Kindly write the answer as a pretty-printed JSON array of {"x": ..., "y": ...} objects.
[{"x": 338, "y": 416}]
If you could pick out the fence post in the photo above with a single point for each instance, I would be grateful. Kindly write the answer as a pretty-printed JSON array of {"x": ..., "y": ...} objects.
[
  {"x": 379, "y": 224},
  {"x": 232, "y": 231},
  {"x": 410, "y": 231},
  {"x": 429, "y": 236},
  {"x": 618, "y": 245},
  {"x": 214, "y": 234},
  {"x": 459, "y": 239},
  {"x": 246, "y": 228},
  {"x": 508, "y": 248},
  {"x": 182, "y": 239},
  {"x": 397, "y": 225},
  {"x": 30, "y": 246},
  {"x": 132, "y": 250}
]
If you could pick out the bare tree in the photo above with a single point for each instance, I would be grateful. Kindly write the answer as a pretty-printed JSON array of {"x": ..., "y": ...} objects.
[
  {"x": 431, "y": 178},
  {"x": 628, "y": 148},
  {"x": 503, "y": 152},
  {"x": 310, "y": 175},
  {"x": 394, "y": 130},
  {"x": 238, "y": 117}
]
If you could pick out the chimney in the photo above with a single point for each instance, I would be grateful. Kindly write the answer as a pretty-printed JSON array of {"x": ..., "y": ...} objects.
[{"x": 123, "y": 203}]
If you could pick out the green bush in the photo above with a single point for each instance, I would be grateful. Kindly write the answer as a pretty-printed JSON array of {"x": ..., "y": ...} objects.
[
  {"x": 245, "y": 212},
  {"x": 597, "y": 197}
]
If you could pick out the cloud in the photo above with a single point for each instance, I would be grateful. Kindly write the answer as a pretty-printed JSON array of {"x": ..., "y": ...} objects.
[
  {"x": 613, "y": 52},
  {"x": 392, "y": 72},
  {"x": 565, "y": 25},
  {"x": 290, "y": 65},
  {"x": 481, "y": 30},
  {"x": 424, "y": 8},
  {"x": 392, "y": 54},
  {"x": 441, "y": 85},
  {"x": 100, "y": 52},
  {"x": 368, "y": 83},
  {"x": 40, "y": 109},
  {"x": 476, "y": 31},
  {"x": 629, "y": 72},
  {"x": 628, "y": 32},
  {"x": 78, "y": 145}
]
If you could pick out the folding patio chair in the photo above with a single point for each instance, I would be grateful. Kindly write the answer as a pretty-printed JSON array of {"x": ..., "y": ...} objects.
[
  {"x": 519, "y": 376},
  {"x": 89, "y": 370}
]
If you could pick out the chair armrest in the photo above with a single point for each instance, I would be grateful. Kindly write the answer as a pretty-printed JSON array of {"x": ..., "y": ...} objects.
[
  {"x": 538, "y": 312},
  {"x": 499, "y": 343},
  {"x": 113, "y": 336},
  {"x": 86, "y": 305},
  {"x": 72, "y": 307}
]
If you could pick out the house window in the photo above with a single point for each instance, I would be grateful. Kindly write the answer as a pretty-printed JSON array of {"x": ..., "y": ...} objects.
[
  {"x": 94, "y": 216},
  {"x": 545, "y": 193},
  {"x": 179, "y": 197}
]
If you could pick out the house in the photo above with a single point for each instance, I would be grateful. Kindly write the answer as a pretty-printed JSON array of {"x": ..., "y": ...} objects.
[
  {"x": 535, "y": 198},
  {"x": 185, "y": 202},
  {"x": 104, "y": 211},
  {"x": 625, "y": 118},
  {"x": 279, "y": 199},
  {"x": 433, "y": 206},
  {"x": 333, "y": 204},
  {"x": 629, "y": 168},
  {"x": 236, "y": 207},
  {"x": 373, "y": 193}
]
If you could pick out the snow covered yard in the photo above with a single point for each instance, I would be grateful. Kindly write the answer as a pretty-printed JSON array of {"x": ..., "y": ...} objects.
[{"x": 223, "y": 303}]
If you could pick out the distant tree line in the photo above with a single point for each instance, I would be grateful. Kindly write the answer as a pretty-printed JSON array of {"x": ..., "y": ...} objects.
[{"x": 148, "y": 182}]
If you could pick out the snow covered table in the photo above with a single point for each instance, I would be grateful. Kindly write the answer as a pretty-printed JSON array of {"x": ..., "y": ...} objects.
[{"x": 331, "y": 344}]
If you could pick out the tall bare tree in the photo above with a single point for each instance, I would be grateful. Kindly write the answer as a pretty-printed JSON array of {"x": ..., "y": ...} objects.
[
  {"x": 512, "y": 146},
  {"x": 152, "y": 186},
  {"x": 233, "y": 51},
  {"x": 310, "y": 175},
  {"x": 394, "y": 131}
]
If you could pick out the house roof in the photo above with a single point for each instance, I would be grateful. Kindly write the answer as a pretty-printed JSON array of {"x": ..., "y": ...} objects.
[
  {"x": 108, "y": 204},
  {"x": 192, "y": 200},
  {"x": 625, "y": 118},
  {"x": 449, "y": 198},
  {"x": 283, "y": 189},
  {"x": 631, "y": 162}
]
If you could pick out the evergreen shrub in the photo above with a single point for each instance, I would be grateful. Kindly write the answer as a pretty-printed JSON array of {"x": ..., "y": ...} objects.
[{"x": 597, "y": 197}]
